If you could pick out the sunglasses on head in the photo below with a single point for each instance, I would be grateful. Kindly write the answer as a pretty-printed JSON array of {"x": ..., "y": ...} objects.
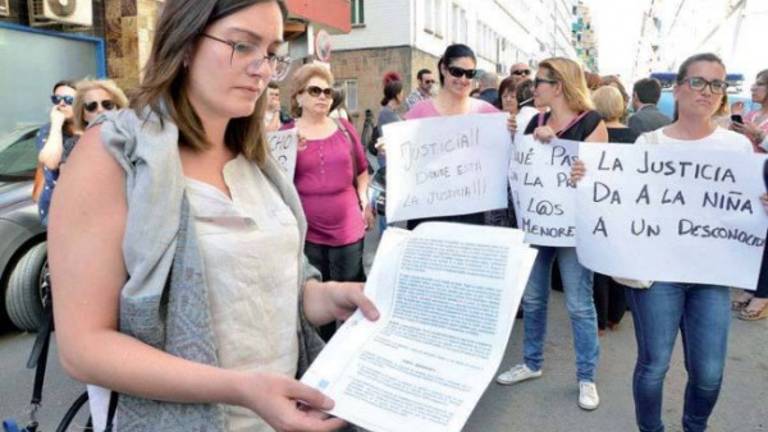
[
  {"x": 315, "y": 91},
  {"x": 525, "y": 72},
  {"x": 457, "y": 72},
  {"x": 68, "y": 100},
  {"x": 93, "y": 106}
]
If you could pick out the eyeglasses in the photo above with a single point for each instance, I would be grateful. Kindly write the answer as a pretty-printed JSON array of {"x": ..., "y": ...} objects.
[
  {"x": 429, "y": 82},
  {"x": 521, "y": 72},
  {"x": 698, "y": 83},
  {"x": 538, "y": 81},
  {"x": 315, "y": 91},
  {"x": 247, "y": 53},
  {"x": 68, "y": 100},
  {"x": 457, "y": 72},
  {"x": 93, "y": 106}
]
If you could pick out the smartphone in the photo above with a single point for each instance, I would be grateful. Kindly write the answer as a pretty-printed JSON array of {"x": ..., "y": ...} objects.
[{"x": 736, "y": 118}]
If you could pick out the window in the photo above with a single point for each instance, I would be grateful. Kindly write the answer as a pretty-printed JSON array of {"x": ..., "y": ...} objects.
[
  {"x": 358, "y": 13},
  {"x": 428, "y": 18},
  {"x": 439, "y": 27},
  {"x": 350, "y": 90},
  {"x": 455, "y": 32}
]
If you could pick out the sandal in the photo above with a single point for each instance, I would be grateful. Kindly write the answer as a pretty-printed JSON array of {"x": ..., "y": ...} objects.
[
  {"x": 753, "y": 315},
  {"x": 738, "y": 306}
]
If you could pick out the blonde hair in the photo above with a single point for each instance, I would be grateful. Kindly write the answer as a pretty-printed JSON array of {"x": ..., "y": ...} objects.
[
  {"x": 302, "y": 77},
  {"x": 571, "y": 77},
  {"x": 86, "y": 85},
  {"x": 608, "y": 103}
]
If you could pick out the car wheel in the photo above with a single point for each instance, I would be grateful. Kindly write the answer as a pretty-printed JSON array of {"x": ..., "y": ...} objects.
[{"x": 23, "y": 298}]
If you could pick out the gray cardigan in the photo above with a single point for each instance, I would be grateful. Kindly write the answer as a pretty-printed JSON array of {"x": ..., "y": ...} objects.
[{"x": 164, "y": 302}]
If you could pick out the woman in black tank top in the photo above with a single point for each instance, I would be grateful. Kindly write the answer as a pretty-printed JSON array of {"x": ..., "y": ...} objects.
[{"x": 560, "y": 85}]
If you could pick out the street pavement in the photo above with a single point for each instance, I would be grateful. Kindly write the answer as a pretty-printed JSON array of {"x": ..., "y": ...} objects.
[{"x": 547, "y": 404}]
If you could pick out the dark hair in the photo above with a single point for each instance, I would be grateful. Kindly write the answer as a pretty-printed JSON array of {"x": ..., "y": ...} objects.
[
  {"x": 63, "y": 83},
  {"x": 763, "y": 74},
  {"x": 507, "y": 84},
  {"x": 338, "y": 98},
  {"x": 163, "y": 87},
  {"x": 422, "y": 72},
  {"x": 393, "y": 85},
  {"x": 273, "y": 85},
  {"x": 524, "y": 93},
  {"x": 648, "y": 90},
  {"x": 452, "y": 53},
  {"x": 682, "y": 73}
]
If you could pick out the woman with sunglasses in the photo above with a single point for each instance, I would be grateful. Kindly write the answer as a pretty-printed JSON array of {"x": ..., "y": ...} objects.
[
  {"x": 700, "y": 312},
  {"x": 55, "y": 142},
  {"x": 560, "y": 85},
  {"x": 753, "y": 305},
  {"x": 95, "y": 97},
  {"x": 456, "y": 69},
  {"x": 176, "y": 242},
  {"x": 332, "y": 181}
]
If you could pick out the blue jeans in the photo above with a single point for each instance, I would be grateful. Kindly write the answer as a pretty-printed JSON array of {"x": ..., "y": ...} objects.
[
  {"x": 577, "y": 285},
  {"x": 702, "y": 313}
]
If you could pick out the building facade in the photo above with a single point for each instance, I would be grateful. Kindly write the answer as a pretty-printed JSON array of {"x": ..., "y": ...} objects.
[{"x": 407, "y": 35}]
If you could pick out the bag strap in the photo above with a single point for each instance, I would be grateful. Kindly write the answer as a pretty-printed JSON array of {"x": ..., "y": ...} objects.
[
  {"x": 540, "y": 118},
  {"x": 111, "y": 411}
]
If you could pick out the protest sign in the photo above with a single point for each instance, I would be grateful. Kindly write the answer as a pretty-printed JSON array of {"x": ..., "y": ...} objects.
[
  {"x": 283, "y": 145},
  {"x": 446, "y": 166},
  {"x": 543, "y": 194},
  {"x": 672, "y": 214}
]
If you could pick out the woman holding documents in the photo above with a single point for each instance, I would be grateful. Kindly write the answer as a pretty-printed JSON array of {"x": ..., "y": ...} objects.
[
  {"x": 176, "y": 243},
  {"x": 701, "y": 313},
  {"x": 560, "y": 85},
  {"x": 456, "y": 69}
]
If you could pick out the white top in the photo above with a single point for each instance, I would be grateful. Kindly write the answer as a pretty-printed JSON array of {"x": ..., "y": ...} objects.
[
  {"x": 720, "y": 139},
  {"x": 249, "y": 245}
]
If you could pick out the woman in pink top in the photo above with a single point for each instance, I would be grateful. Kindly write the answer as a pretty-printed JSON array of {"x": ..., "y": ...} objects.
[
  {"x": 332, "y": 180},
  {"x": 456, "y": 69}
]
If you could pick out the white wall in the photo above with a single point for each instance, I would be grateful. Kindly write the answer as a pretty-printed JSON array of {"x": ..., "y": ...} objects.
[{"x": 387, "y": 24}]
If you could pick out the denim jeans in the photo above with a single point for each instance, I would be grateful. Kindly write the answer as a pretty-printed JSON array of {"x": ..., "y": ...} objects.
[
  {"x": 577, "y": 284},
  {"x": 702, "y": 314}
]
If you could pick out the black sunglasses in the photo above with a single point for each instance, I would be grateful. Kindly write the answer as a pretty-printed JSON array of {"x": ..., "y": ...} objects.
[
  {"x": 537, "y": 81},
  {"x": 93, "y": 106},
  {"x": 429, "y": 81},
  {"x": 315, "y": 91},
  {"x": 525, "y": 72},
  {"x": 458, "y": 72},
  {"x": 68, "y": 100}
]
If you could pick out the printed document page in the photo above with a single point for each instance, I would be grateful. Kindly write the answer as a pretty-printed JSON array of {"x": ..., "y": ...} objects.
[{"x": 448, "y": 295}]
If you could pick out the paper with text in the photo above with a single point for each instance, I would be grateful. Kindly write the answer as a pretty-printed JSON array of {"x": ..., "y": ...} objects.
[
  {"x": 284, "y": 145},
  {"x": 672, "y": 214},
  {"x": 448, "y": 295},
  {"x": 446, "y": 166},
  {"x": 542, "y": 192}
]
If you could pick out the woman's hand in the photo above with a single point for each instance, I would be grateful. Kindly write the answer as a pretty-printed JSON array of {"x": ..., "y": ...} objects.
[
  {"x": 369, "y": 218},
  {"x": 764, "y": 200},
  {"x": 512, "y": 124},
  {"x": 578, "y": 169},
  {"x": 57, "y": 117},
  {"x": 286, "y": 404},
  {"x": 325, "y": 302},
  {"x": 544, "y": 134},
  {"x": 750, "y": 130},
  {"x": 381, "y": 147}
]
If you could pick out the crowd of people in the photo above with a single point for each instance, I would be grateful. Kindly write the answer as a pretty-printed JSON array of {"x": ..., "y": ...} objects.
[{"x": 176, "y": 240}]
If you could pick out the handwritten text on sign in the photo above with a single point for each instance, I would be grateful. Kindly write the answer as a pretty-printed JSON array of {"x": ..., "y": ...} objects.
[
  {"x": 283, "y": 145},
  {"x": 446, "y": 166},
  {"x": 544, "y": 196},
  {"x": 672, "y": 214}
]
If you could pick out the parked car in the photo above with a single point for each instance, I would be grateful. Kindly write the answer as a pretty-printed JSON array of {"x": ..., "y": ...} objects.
[{"x": 23, "y": 253}]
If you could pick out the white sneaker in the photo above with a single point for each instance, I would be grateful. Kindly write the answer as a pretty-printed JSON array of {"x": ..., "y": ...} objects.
[
  {"x": 588, "y": 398},
  {"x": 516, "y": 374}
]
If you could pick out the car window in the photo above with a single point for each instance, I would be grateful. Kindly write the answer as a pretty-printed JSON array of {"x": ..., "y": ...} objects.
[{"x": 19, "y": 159}]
